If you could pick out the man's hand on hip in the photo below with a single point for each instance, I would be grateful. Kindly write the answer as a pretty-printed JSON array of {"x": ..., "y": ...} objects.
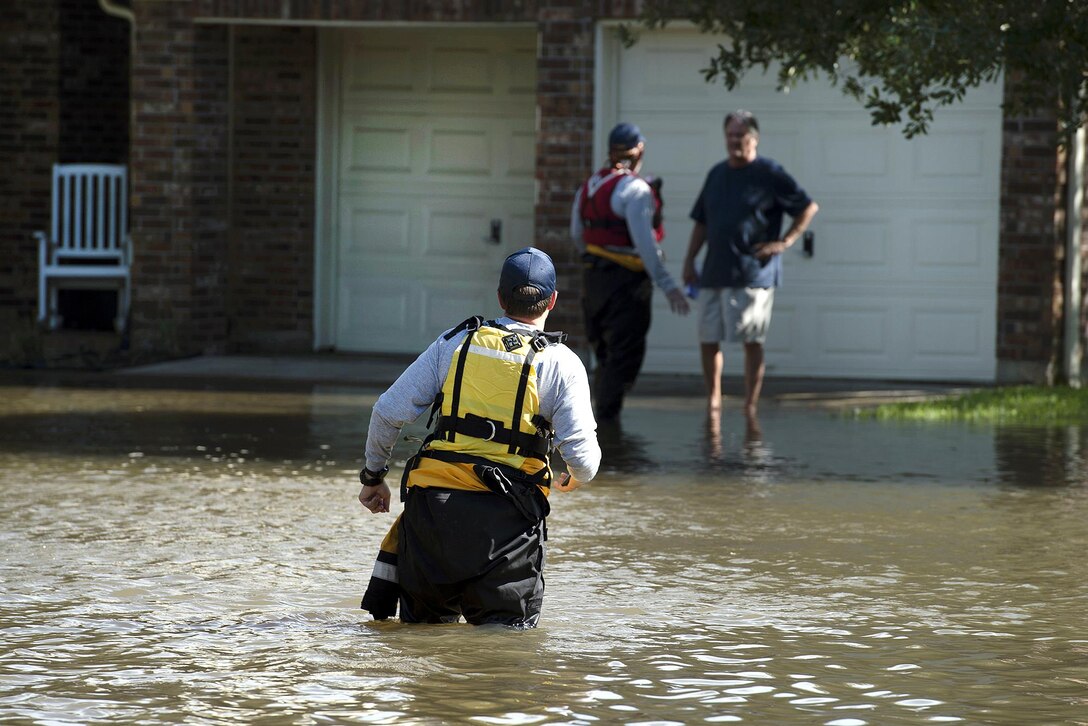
[{"x": 770, "y": 249}]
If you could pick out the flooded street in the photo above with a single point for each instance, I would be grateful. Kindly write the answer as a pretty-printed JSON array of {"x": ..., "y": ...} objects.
[{"x": 198, "y": 556}]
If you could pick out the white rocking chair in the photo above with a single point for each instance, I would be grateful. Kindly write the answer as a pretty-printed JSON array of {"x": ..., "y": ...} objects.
[{"x": 88, "y": 246}]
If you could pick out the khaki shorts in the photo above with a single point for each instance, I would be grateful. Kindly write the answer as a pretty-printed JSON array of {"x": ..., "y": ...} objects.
[{"x": 734, "y": 314}]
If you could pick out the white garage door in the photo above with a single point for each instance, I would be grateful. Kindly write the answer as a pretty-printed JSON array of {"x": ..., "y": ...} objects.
[
  {"x": 903, "y": 280},
  {"x": 434, "y": 178}
]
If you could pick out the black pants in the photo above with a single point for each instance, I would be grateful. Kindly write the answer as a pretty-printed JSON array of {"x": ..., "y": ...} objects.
[
  {"x": 472, "y": 554},
  {"x": 617, "y": 305}
]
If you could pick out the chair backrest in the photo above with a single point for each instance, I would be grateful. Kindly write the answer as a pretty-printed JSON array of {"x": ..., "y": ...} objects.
[{"x": 90, "y": 209}]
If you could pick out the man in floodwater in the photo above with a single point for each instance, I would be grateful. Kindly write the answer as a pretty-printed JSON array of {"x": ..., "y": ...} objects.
[{"x": 471, "y": 538}]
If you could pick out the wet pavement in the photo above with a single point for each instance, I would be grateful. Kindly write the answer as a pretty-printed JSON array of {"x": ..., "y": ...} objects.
[{"x": 380, "y": 371}]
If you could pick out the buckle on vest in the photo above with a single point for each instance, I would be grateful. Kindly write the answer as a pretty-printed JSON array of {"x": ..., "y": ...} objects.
[
  {"x": 540, "y": 343},
  {"x": 494, "y": 430}
]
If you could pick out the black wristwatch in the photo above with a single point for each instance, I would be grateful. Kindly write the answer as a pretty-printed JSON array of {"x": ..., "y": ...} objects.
[{"x": 372, "y": 478}]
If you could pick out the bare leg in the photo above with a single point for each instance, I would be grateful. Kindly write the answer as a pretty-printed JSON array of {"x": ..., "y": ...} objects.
[
  {"x": 753, "y": 377},
  {"x": 712, "y": 376}
]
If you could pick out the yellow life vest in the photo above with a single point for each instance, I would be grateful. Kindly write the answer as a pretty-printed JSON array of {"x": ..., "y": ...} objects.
[{"x": 488, "y": 412}]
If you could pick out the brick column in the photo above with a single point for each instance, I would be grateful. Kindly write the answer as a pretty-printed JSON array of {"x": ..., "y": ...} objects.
[
  {"x": 29, "y": 138},
  {"x": 179, "y": 166},
  {"x": 274, "y": 148},
  {"x": 564, "y": 144},
  {"x": 1031, "y": 253}
]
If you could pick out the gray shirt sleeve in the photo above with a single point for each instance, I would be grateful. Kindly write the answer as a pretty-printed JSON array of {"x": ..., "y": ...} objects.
[
  {"x": 405, "y": 401},
  {"x": 562, "y": 385},
  {"x": 634, "y": 201}
]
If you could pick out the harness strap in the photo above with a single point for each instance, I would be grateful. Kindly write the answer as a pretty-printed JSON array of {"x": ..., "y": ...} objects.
[
  {"x": 523, "y": 383},
  {"x": 470, "y": 324},
  {"x": 456, "y": 457},
  {"x": 603, "y": 223},
  {"x": 436, "y": 407},
  {"x": 459, "y": 376},
  {"x": 536, "y": 446}
]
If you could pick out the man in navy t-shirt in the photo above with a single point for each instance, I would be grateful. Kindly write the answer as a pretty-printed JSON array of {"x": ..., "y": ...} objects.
[{"x": 738, "y": 216}]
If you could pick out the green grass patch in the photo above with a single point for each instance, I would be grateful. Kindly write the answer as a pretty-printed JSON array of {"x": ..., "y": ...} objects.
[{"x": 1023, "y": 405}]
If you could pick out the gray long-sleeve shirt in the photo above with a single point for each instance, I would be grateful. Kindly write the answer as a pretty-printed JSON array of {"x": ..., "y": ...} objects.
[{"x": 562, "y": 386}]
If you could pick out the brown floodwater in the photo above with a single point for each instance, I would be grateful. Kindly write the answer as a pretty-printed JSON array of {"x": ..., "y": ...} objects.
[{"x": 197, "y": 555}]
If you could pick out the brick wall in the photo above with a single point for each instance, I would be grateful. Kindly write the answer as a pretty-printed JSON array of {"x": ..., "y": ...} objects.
[
  {"x": 210, "y": 216},
  {"x": 272, "y": 237},
  {"x": 178, "y": 180},
  {"x": 29, "y": 128},
  {"x": 564, "y": 145},
  {"x": 94, "y": 58},
  {"x": 355, "y": 10},
  {"x": 1031, "y": 249}
]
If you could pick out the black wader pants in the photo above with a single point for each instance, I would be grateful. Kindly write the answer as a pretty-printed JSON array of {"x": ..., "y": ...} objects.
[
  {"x": 617, "y": 305},
  {"x": 469, "y": 553}
]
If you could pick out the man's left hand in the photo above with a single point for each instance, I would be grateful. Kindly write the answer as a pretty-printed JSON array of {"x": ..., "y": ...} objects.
[{"x": 375, "y": 498}]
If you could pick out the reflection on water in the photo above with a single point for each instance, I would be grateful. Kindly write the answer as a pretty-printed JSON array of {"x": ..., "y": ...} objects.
[
  {"x": 199, "y": 555},
  {"x": 1041, "y": 457}
]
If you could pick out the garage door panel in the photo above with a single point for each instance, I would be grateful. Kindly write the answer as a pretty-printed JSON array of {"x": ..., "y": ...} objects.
[
  {"x": 377, "y": 68},
  {"x": 908, "y": 329},
  {"x": 952, "y": 248},
  {"x": 859, "y": 157},
  {"x": 454, "y": 234},
  {"x": 673, "y": 152},
  {"x": 424, "y": 170},
  {"x": 520, "y": 156},
  {"x": 959, "y": 164},
  {"x": 518, "y": 70},
  {"x": 947, "y": 334},
  {"x": 784, "y": 146},
  {"x": 917, "y": 245},
  {"x": 518, "y": 228},
  {"x": 459, "y": 151},
  {"x": 448, "y": 302},
  {"x": 403, "y": 147},
  {"x": 853, "y": 246},
  {"x": 464, "y": 69},
  {"x": 785, "y": 334},
  {"x": 374, "y": 229},
  {"x": 670, "y": 68},
  {"x": 370, "y": 148},
  {"x": 391, "y": 312},
  {"x": 857, "y": 331}
]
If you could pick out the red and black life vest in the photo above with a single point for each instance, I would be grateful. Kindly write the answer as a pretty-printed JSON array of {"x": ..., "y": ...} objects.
[{"x": 603, "y": 228}]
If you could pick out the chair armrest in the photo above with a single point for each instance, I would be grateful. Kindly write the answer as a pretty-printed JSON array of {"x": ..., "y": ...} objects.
[{"x": 43, "y": 247}]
